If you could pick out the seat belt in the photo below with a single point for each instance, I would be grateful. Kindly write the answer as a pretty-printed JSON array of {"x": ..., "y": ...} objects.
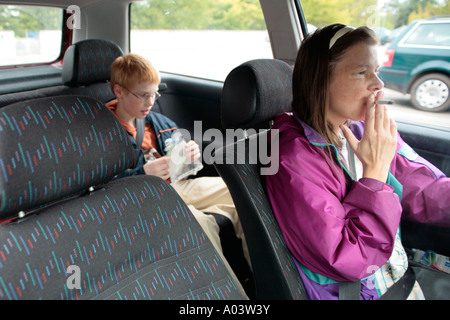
[
  {"x": 400, "y": 290},
  {"x": 352, "y": 162},
  {"x": 349, "y": 290},
  {"x": 140, "y": 128}
]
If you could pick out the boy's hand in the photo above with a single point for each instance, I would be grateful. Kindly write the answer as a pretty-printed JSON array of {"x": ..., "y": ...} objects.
[
  {"x": 158, "y": 167},
  {"x": 192, "y": 151}
]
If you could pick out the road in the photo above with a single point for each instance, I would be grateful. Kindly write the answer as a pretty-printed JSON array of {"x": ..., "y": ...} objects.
[{"x": 404, "y": 110}]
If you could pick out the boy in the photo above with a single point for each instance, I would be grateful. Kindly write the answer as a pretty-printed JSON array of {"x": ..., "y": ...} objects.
[{"x": 134, "y": 82}]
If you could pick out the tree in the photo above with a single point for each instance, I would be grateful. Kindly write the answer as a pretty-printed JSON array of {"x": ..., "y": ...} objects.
[
  {"x": 430, "y": 9},
  {"x": 348, "y": 12},
  {"x": 24, "y": 19},
  {"x": 403, "y": 12}
]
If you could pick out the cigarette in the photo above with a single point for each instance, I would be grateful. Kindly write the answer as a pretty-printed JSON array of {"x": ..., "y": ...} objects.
[{"x": 384, "y": 102}]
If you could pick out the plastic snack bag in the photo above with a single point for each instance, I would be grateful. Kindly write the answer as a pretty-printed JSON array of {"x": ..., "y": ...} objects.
[{"x": 180, "y": 166}]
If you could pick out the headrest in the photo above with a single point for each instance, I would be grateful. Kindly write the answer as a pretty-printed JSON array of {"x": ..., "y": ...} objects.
[
  {"x": 89, "y": 61},
  {"x": 55, "y": 147},
  {"x": 255, "y": 92}
]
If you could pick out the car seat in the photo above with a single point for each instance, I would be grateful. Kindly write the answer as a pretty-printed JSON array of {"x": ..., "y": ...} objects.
[
  {"x": 70, "y": 230},
  {"x": 253, "y": 94}
]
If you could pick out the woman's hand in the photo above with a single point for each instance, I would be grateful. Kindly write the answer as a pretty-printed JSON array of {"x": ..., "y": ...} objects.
[
  {"x": 159, "y": 167},
  {"x": 378, "y": 143}
]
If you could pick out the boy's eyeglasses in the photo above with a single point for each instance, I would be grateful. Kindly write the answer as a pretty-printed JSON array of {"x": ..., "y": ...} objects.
[{"x": 144, "y": 98}]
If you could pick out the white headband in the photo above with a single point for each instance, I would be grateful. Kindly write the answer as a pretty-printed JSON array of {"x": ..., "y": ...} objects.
[{"x": 339, "y": 34}]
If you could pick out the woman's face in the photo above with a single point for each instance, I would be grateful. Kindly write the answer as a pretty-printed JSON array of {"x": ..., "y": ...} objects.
[{"x": 353, "y": 82}]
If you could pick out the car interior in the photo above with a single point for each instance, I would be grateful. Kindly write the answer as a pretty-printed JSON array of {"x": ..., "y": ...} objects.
[{"x": 134, "y": 238}]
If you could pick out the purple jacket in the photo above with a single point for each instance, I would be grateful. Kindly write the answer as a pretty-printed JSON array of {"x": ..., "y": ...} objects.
[{"x": 337, "y": 227}]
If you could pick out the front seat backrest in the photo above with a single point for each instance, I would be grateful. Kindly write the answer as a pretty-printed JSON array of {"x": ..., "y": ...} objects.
[
  {"x": 72, "y": 231},
  {"x": 253, "y": 94},
  {"x": 51, "y": 148}
]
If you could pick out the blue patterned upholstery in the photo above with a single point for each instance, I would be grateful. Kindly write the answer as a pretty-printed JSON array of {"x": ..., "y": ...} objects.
[
  {"x": 258, "y": 90},
  {"x": 130, "y": 238},
  {"x": 45, "y": 153},
  {"x": 133, "y": 239},
  {"x": 89, "y": 61}
]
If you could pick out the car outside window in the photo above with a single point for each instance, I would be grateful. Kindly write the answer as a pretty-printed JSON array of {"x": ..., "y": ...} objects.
[
  {"x": 204, "y": 39},
  {"x": 29, "y": 35}
]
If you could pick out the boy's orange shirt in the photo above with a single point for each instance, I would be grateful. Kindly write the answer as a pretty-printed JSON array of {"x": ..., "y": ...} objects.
[{"x": 149, "y": 140}]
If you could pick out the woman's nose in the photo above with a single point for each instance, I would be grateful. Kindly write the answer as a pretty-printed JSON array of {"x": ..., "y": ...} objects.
[{"x": 377, "y": 84}]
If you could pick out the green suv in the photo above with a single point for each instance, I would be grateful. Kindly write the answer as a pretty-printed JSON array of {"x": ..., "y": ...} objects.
[{"x": 418, "y": 62}]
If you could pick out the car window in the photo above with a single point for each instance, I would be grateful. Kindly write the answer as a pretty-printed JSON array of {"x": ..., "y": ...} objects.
[
  {"x": 433, "y": 34},
  {"x": 29, "y": 35},
  {"x": 412, "y": 55},
  {"x": 205, "y": 39}
]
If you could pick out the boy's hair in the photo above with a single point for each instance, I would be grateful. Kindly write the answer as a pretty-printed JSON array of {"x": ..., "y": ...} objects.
[{"x": 131, "y": 68}]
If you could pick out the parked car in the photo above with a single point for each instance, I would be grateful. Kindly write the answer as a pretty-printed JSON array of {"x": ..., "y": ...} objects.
[{"x": 418, "y": 62}]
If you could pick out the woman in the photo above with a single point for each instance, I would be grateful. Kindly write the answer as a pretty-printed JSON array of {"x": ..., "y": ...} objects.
[{"x": 346, "y": 176}]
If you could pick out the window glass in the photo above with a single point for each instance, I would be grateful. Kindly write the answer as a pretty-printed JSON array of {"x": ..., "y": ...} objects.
[
  {"x": 205, "y": 39},
  {"x": 29, "y": 34},
  {"x": 436, "y": 34}
]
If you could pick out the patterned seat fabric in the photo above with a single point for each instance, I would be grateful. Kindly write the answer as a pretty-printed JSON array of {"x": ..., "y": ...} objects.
[
  {"x": 51, "y": 148},
  {"x": 100, "y": 91},
  {"x": 257, "y": 91},
  {"x": 89, "y": 61},
  {"x": 131, "y": 238}
]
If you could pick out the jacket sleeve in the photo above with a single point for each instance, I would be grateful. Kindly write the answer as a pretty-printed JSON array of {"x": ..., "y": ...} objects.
[
  {"x": 426, "y": 189},
  {"x": 333, "y": 231},
  {"x": 163, "y": 128}
]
